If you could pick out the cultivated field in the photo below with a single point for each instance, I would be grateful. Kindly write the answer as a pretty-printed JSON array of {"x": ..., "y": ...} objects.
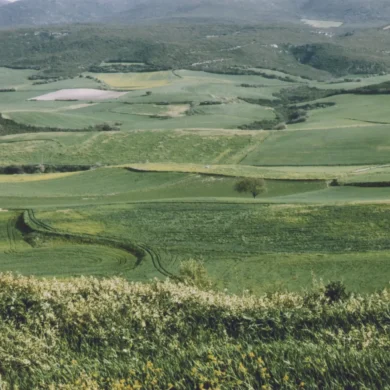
[
  {"x": 322, "y": 23},
  {"x": 283, "y": 245},
  {"x": 165, "y": 151},
  {"x": 79, "y": 94}
]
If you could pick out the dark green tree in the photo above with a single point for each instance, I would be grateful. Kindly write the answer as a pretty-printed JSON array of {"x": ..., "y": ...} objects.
[{"x": 252, "y": 185}]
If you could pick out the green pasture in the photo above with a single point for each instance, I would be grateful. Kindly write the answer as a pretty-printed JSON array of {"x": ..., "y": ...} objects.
[
  {"x": 350, "y": 110},
  {"x": 378, "y": 174},
  {"x": 240, "y": 170},
  {"x": 119, "y": 185},
  {"x": 341, "y": 146},
  {"x": 128, "y": 147},
  {"x": 51, "y": 257},
  {"x": 340, "y": 195},
  {"x": 138, "y": 110},
  {"x": 177, "y": 200},
  {"x": 339, "y": 83},
  {"x": 18, "y": 79},
  {"x": 143, "y": 116},
  {"x": 258, "y": 247}
]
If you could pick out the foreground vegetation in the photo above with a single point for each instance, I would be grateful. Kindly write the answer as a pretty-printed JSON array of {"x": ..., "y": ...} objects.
[{"x": 109, "y": 334}]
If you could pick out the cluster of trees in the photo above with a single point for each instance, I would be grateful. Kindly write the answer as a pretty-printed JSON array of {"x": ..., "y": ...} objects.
[
  {"x": 41, "y": 168},
  {"x": 235, "y": 70},
  {"x": 7, "y": 89}
]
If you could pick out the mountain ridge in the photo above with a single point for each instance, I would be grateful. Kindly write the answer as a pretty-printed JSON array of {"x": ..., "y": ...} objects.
[{"x": 47, "y": 12}]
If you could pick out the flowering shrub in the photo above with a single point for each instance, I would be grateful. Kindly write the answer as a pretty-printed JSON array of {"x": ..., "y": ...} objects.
[{"x": 87, "y": 333}]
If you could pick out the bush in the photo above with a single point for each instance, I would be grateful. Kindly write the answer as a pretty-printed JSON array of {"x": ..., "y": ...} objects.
[
  {"x": 336, "y": 292},
  {"x": 193, "y": 272}
]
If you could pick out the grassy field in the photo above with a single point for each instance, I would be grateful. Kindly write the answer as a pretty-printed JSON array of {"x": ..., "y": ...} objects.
[
  {"x": 138, "y": 110},
  {"x": 53, "y": 257},
  {"x": 144, "y": 186},
  {"x": 270, "y": 247},
  {"x": 159, "y": 202},
  {"x": 168, "y": 179},
  {"x": 275, "y": 173},
  {"x": 127, "y": 147},
  {"x": 350, "y": 110},
  {"x": 356, "y": 146},
  {"x": 335, "y": 146},
  {"x": 131, "y": 81}
]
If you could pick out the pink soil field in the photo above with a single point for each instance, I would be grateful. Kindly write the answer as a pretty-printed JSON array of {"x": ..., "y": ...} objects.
[{"x": 79, "y": 94}]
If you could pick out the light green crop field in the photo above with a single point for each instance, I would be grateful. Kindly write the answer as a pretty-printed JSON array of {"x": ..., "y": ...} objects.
[
  {"x": 204, "y": 147},
  {"x": 18, "y": 79},
  {"x": 350, "y": 110},
  {"x": 259, "y": 247},
  {"x": 140, "y": 116},
  {"x": 164, "y": 180},
  {"x": 335, "y": 146},
  {"x": 180, "y": 92},
  {"x": 55, "y": 257},
  {"x": 145, "y": 186}
]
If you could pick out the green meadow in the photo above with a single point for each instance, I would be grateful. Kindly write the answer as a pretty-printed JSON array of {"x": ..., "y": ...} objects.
[{"x": 160, "y": 188}]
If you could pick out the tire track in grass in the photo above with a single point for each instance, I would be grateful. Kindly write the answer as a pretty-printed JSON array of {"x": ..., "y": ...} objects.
[
  {"x": 156, "y": 260},
  {"x": 139, "y": 250},
  {"x": 11, "y": 234},
  {"x": 36, "y": 225}
]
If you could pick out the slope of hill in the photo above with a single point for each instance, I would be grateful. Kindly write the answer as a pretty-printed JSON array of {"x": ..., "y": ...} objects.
[
  {"x": 108, "y": 334},
  {"x": 46, "y": 12},
  {"x": 230, "y": 10},
  {"x": 348, "y": 10}
]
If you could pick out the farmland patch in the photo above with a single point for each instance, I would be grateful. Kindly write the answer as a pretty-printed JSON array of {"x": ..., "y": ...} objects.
[
  {"x": 322, "y": 23},
  {"x": 79, "y": 94}
]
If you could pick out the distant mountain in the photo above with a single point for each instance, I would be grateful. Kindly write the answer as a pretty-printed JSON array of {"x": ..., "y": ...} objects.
[
  {"x": 46, "y": 12},
  {"x": 348, "y": 10},
  {"x": 227, "y": 10}
]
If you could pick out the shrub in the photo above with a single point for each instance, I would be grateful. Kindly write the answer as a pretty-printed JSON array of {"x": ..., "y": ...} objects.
[
  {"x": 193, "y": 272},
  {"x": 336, "y": 292}
]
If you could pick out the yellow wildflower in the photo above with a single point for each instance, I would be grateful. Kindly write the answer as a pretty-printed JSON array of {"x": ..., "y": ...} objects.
[
  {"x": 137, "y": 385},
  {"x": 286, "y": 378},
  {"x": 242, "y": 368},
  {"x": 251, "y": 355}
]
